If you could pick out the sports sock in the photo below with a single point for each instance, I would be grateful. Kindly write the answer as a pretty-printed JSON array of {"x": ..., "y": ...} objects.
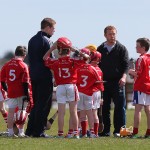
[
  {"x": 11, "y": 131},
  {"x": 75, "y": 132},
  {"x": 96, "y": 126},
  {"x": 135, "y": 130},
  {"x": 148, "y": 132},
  {"x": 21, "y": 131},
  {"x": 84, "y": 127},
  {"x": 60, "y": 133},
  {"x": 70, "y": 131}
]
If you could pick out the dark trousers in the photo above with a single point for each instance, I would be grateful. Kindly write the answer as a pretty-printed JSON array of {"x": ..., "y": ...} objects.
[
  {"x": 112, "y": 91},
  {"x": 42, "y": 96}
]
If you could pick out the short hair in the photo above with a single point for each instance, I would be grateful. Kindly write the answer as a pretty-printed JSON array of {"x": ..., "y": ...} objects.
[
  {"x": 63, "y": 51},
  {"x": 20, "y": 51},
  {"x": 110, "y": 27},
  {"x": 144, "y": 42},
  {"x": 47, "y": 22}
]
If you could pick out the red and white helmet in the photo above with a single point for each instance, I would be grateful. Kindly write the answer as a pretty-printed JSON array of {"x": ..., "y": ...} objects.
[
  {"x": 95, "y": 56},
  {"x": 20, "y": 117},
  {"x": 85, "y": 51},
  {"x": 64, "y": 43}
]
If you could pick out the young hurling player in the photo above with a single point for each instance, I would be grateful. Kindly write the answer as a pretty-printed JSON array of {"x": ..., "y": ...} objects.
[
  {"x": 87, "y": 78},
  {"x": 64, "y": 70},
  {"x": 15, "y": 79},
  {"x": 141, "y": 96}
]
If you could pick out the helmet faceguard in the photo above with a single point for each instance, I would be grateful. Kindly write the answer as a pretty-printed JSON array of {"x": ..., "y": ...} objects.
[{"x": 95, "y": 56}]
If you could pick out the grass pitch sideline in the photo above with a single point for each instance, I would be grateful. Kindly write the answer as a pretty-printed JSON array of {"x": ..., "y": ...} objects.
[{"x": 103, "y": 143}]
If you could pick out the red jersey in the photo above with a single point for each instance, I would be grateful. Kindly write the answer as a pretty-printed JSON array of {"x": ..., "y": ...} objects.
[
  {"x": 14, "y": 73},
  {"x": 64, "y": 69},
  {"x": 99, "y": 86},
  {"x": 87, "y": 78},
  {"x": 142, "y": 82}
]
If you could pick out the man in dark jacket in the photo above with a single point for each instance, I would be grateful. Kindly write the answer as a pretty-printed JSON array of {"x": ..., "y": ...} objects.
[
  {"x": 114, "y": 65},
  {"x": 41, "y": 79}
]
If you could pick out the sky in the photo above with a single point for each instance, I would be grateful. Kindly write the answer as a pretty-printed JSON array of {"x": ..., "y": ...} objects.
[{"x": 82, "y": 21}]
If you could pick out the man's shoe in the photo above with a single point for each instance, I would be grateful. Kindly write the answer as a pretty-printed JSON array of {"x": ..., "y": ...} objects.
[
  {"x": 116, "y": 134},
  {"x": 44, "y": 135},
  {"x": 103, "y": 134}
]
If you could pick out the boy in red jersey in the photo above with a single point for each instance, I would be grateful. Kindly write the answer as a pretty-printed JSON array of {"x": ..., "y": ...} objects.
[
  {"x": 65, "y": 74},
  {"x": 141, "y": 96},
  {"x": 98, "y": 89},
  {"x": 2, "y": 107},
  {"x": 14, "y": 80},
  {"x": 87, "y": 79}
]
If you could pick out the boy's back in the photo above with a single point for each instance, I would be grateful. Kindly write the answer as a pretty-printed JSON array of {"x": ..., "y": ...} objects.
[
  {"x": 65, "y": 69},
  {"x": 14, "y": 73},
  {"x": 87, "y": 77}
]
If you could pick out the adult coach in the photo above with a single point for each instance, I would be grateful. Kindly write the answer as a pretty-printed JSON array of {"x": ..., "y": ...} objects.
[
  {"x": 41, "y": 78},
  {"x": 114, "y": 65}
]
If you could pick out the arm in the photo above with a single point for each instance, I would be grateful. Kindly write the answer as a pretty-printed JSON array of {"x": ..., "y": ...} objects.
[
  {"x": 26, "y": 92},
  {"x": 4, "y": 86},
  {"x": 125, "y": 65},
  {"x": 78, "y": 52},
  {"x": 50, "y": 51}
]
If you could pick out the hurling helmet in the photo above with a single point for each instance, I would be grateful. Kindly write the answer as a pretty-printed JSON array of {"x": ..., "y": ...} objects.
[
  {"x": 64, "y": 43},
  {"x": 95, "y": 56},
  {"x": 91, "y": 47},
  {"x": 20, "y": 117}
]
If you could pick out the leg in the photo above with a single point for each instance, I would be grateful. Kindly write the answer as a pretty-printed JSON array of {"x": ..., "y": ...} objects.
[
  {"x": 10, "y": 120},
  {"x": 61, "y": 114},
  {"x": 120, "y": 107},
  {"x": 147, "y": 111},
  {"x": 106, "y": 111},
  {"x": 3, "y": 111},
  {"x": 96, "y": 121},
  {"x": 137, "y": 117},
  {"x": 73, "y": 114},
  {"x": 83, "y": 122},
  {"x": 42, "y": 92}
]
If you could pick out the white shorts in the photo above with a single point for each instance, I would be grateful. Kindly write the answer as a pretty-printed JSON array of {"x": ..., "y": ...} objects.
[
  {"x": 67, "y": 93},
  {"x": 85, "y": 103},
  {"x": 16, "y": 102},
  {"x": 1, "y": 96},
  {"x": 96, "y": 99},
  {"x": 141, "y": 98}
]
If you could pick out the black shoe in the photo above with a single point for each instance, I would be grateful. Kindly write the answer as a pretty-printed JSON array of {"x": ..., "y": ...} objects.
[
  {"x": 104, "y": 134},
  {"x": 44, "y": 135}
]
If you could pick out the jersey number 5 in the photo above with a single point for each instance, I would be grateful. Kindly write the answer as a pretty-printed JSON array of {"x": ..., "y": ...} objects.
[{"x": 12, "y": 75}]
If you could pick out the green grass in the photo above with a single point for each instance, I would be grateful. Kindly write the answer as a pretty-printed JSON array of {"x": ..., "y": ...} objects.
[{"x": 108, "y": 143}]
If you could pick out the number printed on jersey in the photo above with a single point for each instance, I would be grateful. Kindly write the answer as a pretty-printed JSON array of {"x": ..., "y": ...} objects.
[
  {"x": 12, "y": 75},
  {"x": 64, "y": 72}
]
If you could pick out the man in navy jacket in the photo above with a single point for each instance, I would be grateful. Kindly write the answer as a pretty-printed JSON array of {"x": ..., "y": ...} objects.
[{"x": 41, "y": 78}]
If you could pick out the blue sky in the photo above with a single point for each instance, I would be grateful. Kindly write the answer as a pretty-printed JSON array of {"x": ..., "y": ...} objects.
[{"x": 82, "y": 21}]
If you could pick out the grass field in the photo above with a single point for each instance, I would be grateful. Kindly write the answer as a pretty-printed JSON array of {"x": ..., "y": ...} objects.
[{"x": 103, "y": 143}]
